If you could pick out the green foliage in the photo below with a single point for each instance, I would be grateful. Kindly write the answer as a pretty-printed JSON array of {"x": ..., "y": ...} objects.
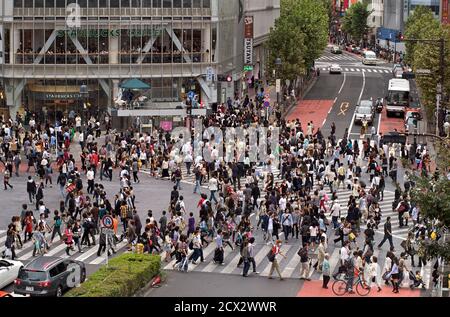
[
  {"x": 423, "y": 25},
  {"x": 298, "y": 38},
  {"x": 432, "y": 196},
  {"x": 125, "y": 275},
  {"x": 355, "y": 20}
]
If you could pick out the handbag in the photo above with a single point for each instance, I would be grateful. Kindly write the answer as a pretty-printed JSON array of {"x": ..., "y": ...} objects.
[
  {"x": 386, "y": 276},
  {"x": 352, "y": 236}
]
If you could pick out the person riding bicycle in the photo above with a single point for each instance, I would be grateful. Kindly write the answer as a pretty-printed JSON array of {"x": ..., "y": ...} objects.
[{"x": 350, "y": 267}]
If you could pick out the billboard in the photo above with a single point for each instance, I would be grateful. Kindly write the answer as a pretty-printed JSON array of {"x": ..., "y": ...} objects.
[
  {"x": 248, "y": 40},
  {"x": 444, "y": 17}
]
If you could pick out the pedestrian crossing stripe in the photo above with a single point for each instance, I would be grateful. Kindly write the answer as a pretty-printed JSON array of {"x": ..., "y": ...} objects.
[{"x": 289, "y": 267}]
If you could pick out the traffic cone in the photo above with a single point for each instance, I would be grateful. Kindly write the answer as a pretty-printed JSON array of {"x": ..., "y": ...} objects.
[{"x": 156, "y": 281}]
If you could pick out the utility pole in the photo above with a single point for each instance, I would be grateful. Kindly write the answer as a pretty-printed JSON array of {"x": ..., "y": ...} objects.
[{"x": 442, "y": 82}]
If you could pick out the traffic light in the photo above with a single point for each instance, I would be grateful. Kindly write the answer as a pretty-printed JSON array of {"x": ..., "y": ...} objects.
[
  {"x": 224, "y": 78},
  {"x": 400, "y": 37}
]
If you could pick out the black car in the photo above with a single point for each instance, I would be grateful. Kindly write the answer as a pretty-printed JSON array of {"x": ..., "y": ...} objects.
[
  {"x": 393, "y": 137},
  {"x": 49, "y": 276}
]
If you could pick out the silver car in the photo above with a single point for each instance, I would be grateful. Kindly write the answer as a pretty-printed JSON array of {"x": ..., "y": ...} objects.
[
  {"x": 335, "y": 69},
  {"x": 365, "y": 111}
]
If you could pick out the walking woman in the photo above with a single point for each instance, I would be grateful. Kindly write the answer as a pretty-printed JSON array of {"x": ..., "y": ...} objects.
[
  {"x": 395, "y": 275},
  {"x": 374, "y": 271},
  {"x": 326, "y": 270},
  {"x": 68, "y": 238}
]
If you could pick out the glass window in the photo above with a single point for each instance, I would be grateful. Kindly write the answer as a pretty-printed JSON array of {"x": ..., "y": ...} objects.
[
  {"x": 49, "y": 3},
  {"x": 38, "y": 3},
  {"x": 18, "y": 3},
  {"x": 93, "y": 3},
  {"x": 103, "y": 3},
  {"x": 147, "y": 3},
  {"x": 82, "y": 3},
  {"x": 28, "y": 4},
  {"x": 157, "y": 3},
  {"x": 60, "y": 3},
  {"x": 135, "y": 3},
  {"x": 32, "y": 275},
  {"x": 114, "y": 3},
  {"x": 125, "y": 3},
  {"x": 167, "y": 4},
  {"x": 187, "y": 3},
  {"x": 177, "y": 3},
  {"x": 61, "y": 267},
  {"x": 197, "y": 3},
  {"x": 53, "y": 272},
  {"x": 207, "y": 4}
]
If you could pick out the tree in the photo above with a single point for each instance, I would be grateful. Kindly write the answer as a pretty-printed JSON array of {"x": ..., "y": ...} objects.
[
  {"x": 287, "y": 43},
  {"x": 423, "y": 25},
  {"x": 355, "y": 20},
  {"x": 431, "y": 194},
  {"x": 299, "y": 37}
]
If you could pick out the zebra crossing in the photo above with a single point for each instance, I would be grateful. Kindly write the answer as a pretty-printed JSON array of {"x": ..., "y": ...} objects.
[
  {"x": 58, "y": 249},
  {"x": 338, "y": 58},
  {"x": 362, "y": 70},
  {"x": 290, "y": 266}
]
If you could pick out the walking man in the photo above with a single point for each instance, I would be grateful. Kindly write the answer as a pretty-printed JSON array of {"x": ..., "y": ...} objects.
[
  {"x": 387, "y": 233},
  {"x": 272, "y": 257}
]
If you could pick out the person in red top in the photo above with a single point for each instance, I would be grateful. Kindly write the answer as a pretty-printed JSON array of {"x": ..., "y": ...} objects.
[
  {"x": 28, "y": 227},
  {"x": 202, "y": 200},
  {"x": 94, "y": 159},
  {"x": 68, "y": 238}
]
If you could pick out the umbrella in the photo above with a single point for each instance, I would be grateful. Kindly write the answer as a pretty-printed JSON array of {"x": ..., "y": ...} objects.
[{"x": 134, "y": 84}]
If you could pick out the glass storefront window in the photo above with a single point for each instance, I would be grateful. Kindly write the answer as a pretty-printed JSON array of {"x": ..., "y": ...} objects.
[
  {"x": 60, "y": 3},
  {"x": 18, "y": 3},
  {"x": 187, "y": 3},
  {"x": 167, "y": 3},
  {"x": 93, "y": 3},
  {"x": 114, "y": 3},
  {"x": 49, "y": 3}
]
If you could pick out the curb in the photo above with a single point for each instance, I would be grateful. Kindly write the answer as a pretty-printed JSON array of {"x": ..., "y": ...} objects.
[{"x": 308, "y": 88}]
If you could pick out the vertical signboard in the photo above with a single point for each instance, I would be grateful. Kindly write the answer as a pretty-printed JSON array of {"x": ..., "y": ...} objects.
[
  {"x": 444, "y": 19},
  {"x": 1, "y": 44},
  {"x": 248, "y": 40}
]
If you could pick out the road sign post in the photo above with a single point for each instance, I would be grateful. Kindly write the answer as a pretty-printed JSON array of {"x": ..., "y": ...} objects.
[{"x": 107, "y": 230}]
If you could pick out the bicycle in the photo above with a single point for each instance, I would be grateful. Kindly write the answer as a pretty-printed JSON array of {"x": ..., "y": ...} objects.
[{"x": 340, "y": 286}]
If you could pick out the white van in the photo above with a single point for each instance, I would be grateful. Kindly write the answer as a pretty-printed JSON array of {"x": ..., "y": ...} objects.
[{"x": 369, "y": 58}]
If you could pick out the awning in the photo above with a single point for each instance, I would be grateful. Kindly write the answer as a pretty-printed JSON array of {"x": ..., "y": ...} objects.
[{"x": 134, "y": 84}]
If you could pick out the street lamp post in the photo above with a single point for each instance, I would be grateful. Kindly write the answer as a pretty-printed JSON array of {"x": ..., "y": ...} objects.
[
  {"x": 278, "y": 64},
  {"x": 84, "y": 92}
]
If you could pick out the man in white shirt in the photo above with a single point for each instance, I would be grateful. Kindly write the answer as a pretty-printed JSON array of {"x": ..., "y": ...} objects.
[
  {"x": 213, "y": 187},
  {"x": 90, "y": 179},
  {"x": 78, "y": 123},
  {"x": 335, "y": 213}
]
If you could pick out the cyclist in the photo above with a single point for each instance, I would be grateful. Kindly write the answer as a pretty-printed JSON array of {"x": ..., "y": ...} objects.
[{"x": 350, "y": 267}]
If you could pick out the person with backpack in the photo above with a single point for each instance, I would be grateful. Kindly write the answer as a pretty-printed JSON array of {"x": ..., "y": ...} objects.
[
  {"x": 272, "y": 257},
  {"x": 304, "y": 262},
  {"x": 287, "y": 222},
  {"x": 246, "y": 258},
  {"x": 56, "y": 226},
  {"x": 403, "y": 210}
]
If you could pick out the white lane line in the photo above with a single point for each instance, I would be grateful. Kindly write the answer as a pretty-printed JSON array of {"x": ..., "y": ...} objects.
[
  {"x": 87, "y": 254},
  {"x": 211, "y": 266},
  {"x": 358, "y": 70},
  {"x": 207, "y": 251},
  {"x": 289, "y": 270},
  {"x": 369, "y": 70},
  {"x": 352, "y": 69},
  {"x": 102, "y": 258},
  {"x": 334, "y": 260},
  {"x": 55, "y": 250},
  {"x": 379, "y": 124},
  {"x": 230, "y": 267},
  {"x": 343, "y": 83},
  {"x": 284, "y": 249}
]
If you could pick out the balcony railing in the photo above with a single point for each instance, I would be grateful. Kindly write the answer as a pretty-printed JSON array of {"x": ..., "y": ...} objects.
[
  {"x": 104, "y": 58},
  {"x": 93, "y": 12},
  {"x": 104, "y": 71}
]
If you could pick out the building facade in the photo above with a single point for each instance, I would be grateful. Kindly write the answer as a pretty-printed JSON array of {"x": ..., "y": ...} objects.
[{"x": 50, "y": 48}]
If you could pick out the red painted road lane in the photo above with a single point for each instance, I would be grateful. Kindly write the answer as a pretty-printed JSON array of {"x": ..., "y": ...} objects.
[
  {"x": 311, "y": 110},
  {"x": 389, "y": 124},
  {"x": 314, "y": 289}
]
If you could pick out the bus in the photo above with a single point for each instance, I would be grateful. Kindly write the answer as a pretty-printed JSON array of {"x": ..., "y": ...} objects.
[
  {"x": 369, "y": 58},
  {"x": 397, "y": 99}
]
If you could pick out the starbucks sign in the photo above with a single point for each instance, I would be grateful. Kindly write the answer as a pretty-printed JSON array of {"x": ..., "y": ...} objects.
[{"x": 96, "y": 33}]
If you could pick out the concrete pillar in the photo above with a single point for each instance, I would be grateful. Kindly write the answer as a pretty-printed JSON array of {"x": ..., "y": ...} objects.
[
  {"x": 13, "y": 103},
  {"x": 113, "y": 49},
  {"x": 14, "y": 43},
  {"x": 206, "y": 43}
]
